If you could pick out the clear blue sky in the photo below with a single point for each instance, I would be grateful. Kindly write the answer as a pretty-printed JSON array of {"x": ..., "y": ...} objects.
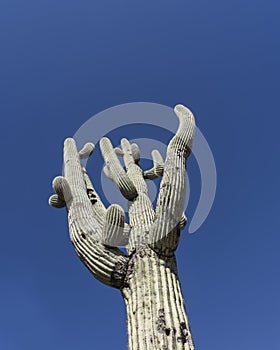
[{"x": 63, "y": 61}]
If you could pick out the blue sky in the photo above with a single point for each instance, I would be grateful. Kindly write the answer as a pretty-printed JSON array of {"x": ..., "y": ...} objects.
[{"x": 62, "y": 62}]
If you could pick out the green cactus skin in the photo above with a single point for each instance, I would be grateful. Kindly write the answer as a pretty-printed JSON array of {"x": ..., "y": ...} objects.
[{"x": 147, "y": 275}]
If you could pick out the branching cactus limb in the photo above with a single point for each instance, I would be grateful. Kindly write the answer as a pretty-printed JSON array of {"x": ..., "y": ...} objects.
[
  {"x": 86, "y": 217},
  {"x": 114, "y": 168},
  {"x": 165, "y": 231},
  {"x": 147, "y": 276}
]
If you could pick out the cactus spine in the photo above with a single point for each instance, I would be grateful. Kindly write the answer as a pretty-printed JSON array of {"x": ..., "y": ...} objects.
[{"x": 147, "y": 275}]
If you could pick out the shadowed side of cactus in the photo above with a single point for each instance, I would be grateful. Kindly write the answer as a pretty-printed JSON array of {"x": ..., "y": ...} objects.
[{"x": 147, "y": 275}]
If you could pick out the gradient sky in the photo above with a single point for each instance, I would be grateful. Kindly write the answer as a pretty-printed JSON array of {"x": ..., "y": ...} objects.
[{"x": 62, "y": 62}]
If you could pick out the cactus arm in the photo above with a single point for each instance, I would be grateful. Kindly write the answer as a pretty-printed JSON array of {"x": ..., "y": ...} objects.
[
  {"x": 113, "y": 229},
  {"x": 134, "y": 172},
  {"x": 86, "y": 151},
  {"x": 80, "y": 208},
  {"x": 118, "y": 151},
  {"x": 56, "y": 202},
  {"x": 116, "y": 171},
  {"x": 171, "y": 199},
  {"x": 141, "y": 211},
  {"x": 157, "y": 169},
  {"x": 86, "y": 219},
  {"x": 108, "y": 265},
  {"x": 183, "y": 139},
  {"x": 135, "y": 152}
]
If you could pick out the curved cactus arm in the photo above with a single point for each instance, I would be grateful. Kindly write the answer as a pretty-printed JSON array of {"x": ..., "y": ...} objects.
[
  {"x": 56, "y": 202},
  {"x": 108, "y": 265},
  {"x": 118, "y": 151},
  {"x": 116, "y": 171},
  {"x": 171, "y": 199},
  {"x": 86, "y": 151},
  {"x": 183, "y": 139},
  {"x": 85, "y": 221},
  {"x": 157, "y": 169}
]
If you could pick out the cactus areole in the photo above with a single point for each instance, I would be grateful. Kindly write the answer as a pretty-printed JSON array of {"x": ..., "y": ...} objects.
[{"x": 147, "y": 275}]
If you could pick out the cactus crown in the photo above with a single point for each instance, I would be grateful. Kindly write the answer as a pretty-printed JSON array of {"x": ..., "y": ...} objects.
[{"x": 95, "y": 230}]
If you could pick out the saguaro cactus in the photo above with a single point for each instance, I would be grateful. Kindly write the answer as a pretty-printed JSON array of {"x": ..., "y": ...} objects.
[{"x": 147, "y": 275}]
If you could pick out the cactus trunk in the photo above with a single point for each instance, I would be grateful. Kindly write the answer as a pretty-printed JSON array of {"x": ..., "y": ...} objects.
[{"x": 156, "y": 312}]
